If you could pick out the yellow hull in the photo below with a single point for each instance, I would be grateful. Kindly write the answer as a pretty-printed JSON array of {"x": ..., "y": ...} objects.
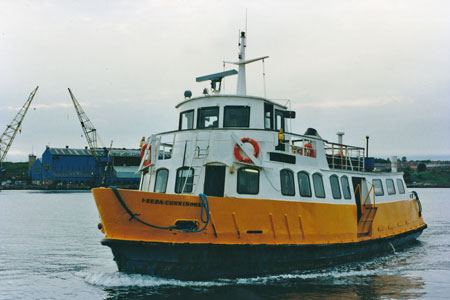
[{"x": 242, "y": 221}]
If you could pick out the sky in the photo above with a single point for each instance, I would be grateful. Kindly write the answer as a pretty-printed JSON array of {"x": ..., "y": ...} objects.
[{"x": 367, "y": 68}]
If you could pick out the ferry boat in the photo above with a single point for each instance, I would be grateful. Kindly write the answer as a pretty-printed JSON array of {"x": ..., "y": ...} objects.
[{"x": 233, "y": 193}]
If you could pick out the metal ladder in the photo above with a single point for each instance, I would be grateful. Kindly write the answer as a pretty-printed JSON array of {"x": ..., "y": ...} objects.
[{"x": 198, "y": 160}]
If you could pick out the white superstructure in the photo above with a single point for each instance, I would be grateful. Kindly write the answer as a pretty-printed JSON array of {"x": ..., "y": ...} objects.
[{"x": 215, "y": 131}]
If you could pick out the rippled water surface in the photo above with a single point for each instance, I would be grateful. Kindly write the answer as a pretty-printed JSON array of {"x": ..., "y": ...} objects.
[{"x": 50, "y": 249}]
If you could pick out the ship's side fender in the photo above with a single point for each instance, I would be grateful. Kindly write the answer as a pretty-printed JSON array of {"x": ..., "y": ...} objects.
[{"x": 416, "y": 196}]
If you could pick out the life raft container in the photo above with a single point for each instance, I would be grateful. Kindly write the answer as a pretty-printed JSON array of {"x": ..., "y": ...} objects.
[
  {"x": 148, "y": 160},
  {"x": 238, "y": 155}
]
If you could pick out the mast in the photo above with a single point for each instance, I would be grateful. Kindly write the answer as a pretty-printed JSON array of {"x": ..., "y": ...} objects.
[
  {"x": 242, "y": 81},
  {"x": 10, "y": 132}
]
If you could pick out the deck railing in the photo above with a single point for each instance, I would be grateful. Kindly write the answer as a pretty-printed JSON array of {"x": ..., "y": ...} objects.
[{"x": 344, "y": 157}]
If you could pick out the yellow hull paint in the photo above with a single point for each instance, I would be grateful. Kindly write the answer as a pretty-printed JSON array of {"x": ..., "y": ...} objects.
[{"x": 247, "y": 221}]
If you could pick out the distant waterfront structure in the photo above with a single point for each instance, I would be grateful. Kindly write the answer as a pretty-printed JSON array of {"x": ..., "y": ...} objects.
[{"x": 64, "y": 166}]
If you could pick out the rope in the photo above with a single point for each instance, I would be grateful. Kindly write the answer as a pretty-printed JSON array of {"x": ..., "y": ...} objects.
[{"x": 204, "y": 211}]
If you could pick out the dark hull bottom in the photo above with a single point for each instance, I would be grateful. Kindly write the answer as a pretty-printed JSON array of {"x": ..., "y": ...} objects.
[{"x": 207, "y": 261}]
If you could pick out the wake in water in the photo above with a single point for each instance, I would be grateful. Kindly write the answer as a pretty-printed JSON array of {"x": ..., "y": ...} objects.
[{"x": 117, "y": 279}]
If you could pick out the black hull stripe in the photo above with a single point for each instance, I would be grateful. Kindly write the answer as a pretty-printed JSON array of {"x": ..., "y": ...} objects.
[{"x": 206, "y": 261}]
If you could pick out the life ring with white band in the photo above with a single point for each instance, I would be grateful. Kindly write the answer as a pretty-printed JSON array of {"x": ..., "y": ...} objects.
[
  {"x": 237, "y": 152},
  {"x": 309, "y": 151},
  {"x": 149, "y": 159}
]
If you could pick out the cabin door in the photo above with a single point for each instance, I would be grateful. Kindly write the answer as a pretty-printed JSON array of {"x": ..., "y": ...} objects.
[
  {"x": 214, "y": 181},
  {"x": 359, "y": 189}
]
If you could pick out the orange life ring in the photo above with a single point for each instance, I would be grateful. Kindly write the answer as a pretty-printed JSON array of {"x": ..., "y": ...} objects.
[
  {"x": 149, "y": 160},
  {"x": 309, "y": 150},
  {"x": 238, "y": 155}
]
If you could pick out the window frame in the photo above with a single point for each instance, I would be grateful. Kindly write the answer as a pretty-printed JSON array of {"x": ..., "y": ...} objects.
[
  {"x": 333, "y": 190},
  {"x": 377, "y": 193},
  {"x": 268, "y": 108},
  {"x": 348, "y": 187},
  {"x": 309, "y": 184},
  {"x": 317, "y": 174},
  {"x": 178, "y": 177},
  {"x": 180, "y": 123},
  {"x": 156, "y": 180},
  {"x": 240, "y": 171},
  {"x": 393, "y": 186},
  {"x": 279, "y": 112},
  {"x": 199, "y": 110},
  {"x": 227, "y": 107},
  {"x": 291, "y": 182},
  {"x": 402, "y": 186}
]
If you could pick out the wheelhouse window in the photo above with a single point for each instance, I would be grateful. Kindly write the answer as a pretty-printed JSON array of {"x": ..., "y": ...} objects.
[
  {"x": 268, "y": 116},
  {"x": 184, "y": 180},
  {"x": 279, "y": 120},
  {"x": 319, "y": 191},
  {"x": 287, "y": 182},
  {"x": 346, "y": 187},
  {"x": 186, "y": 120},
  {"x": 208, "y": 117},
  {"x": 378, "y": 187},
  {"x": 248, "y": 181},
  {"x": 400, "y": 186},
  {"x": 161, "y": 180},
  {"x": 303, "y": 184},
  {"x": 390, "y": 186},
  {"x": 335, "y": 189},
  {"x": 236, "y": 116}
]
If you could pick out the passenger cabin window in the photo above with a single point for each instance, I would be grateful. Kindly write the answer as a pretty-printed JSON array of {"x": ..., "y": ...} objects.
[
  {"x": 400, "y": 186},
  {"x": 287, "y": 182},
  {"x": 319, "y": 191},
  {"x": 378, "y": 187},
  {"x": 335, "y": 189},
  {"x": 303, "y": 184},
  {"x": 390, "y": 186},
  {"x": 161, "y": 180},
  {"x": 279, "y": 120},
  {"x": 208, "y": 117},
  {"x": 248, "y": 181},
  {"x": 236, "y": 116},
  {"x": 346, "y": 187},
  {"x": 186, "y": 120},
  {"x": 184, "y": 180},
  {"x": 268, "y": 116}
]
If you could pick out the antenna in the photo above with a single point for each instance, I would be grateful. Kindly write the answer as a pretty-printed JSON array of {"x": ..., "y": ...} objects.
[{"x": 246, "y": 20}]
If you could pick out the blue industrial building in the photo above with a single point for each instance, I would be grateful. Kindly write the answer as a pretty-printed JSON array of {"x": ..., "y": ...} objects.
[{"x": 63, "y": 166}]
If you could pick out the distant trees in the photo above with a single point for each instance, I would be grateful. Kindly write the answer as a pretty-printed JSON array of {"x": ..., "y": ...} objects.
[
  {"x": 421, "y": 167},
  {"x": 407, "y": 175}
]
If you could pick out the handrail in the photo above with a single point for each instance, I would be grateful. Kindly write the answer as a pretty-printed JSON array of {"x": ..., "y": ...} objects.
[
  {"x": 372, "y": 189},
  {"x": 360, "y": 194}
]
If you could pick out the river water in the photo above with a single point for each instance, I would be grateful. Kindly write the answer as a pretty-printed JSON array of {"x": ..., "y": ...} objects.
[{"x": 50, "y": 249}]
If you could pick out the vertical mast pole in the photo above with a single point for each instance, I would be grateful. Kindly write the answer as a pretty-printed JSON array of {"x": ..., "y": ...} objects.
[{"x": 241, "y": 84}]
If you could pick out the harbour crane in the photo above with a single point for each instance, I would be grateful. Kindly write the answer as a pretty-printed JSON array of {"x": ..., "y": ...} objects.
[
  {"x": 11, "y": 130},
  {"x": 101, "y": 158},
  {"x": 88, "y": 128}
]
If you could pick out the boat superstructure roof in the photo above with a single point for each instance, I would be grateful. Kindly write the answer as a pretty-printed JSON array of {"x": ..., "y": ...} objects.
[{"x": 231, "y": 96}]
